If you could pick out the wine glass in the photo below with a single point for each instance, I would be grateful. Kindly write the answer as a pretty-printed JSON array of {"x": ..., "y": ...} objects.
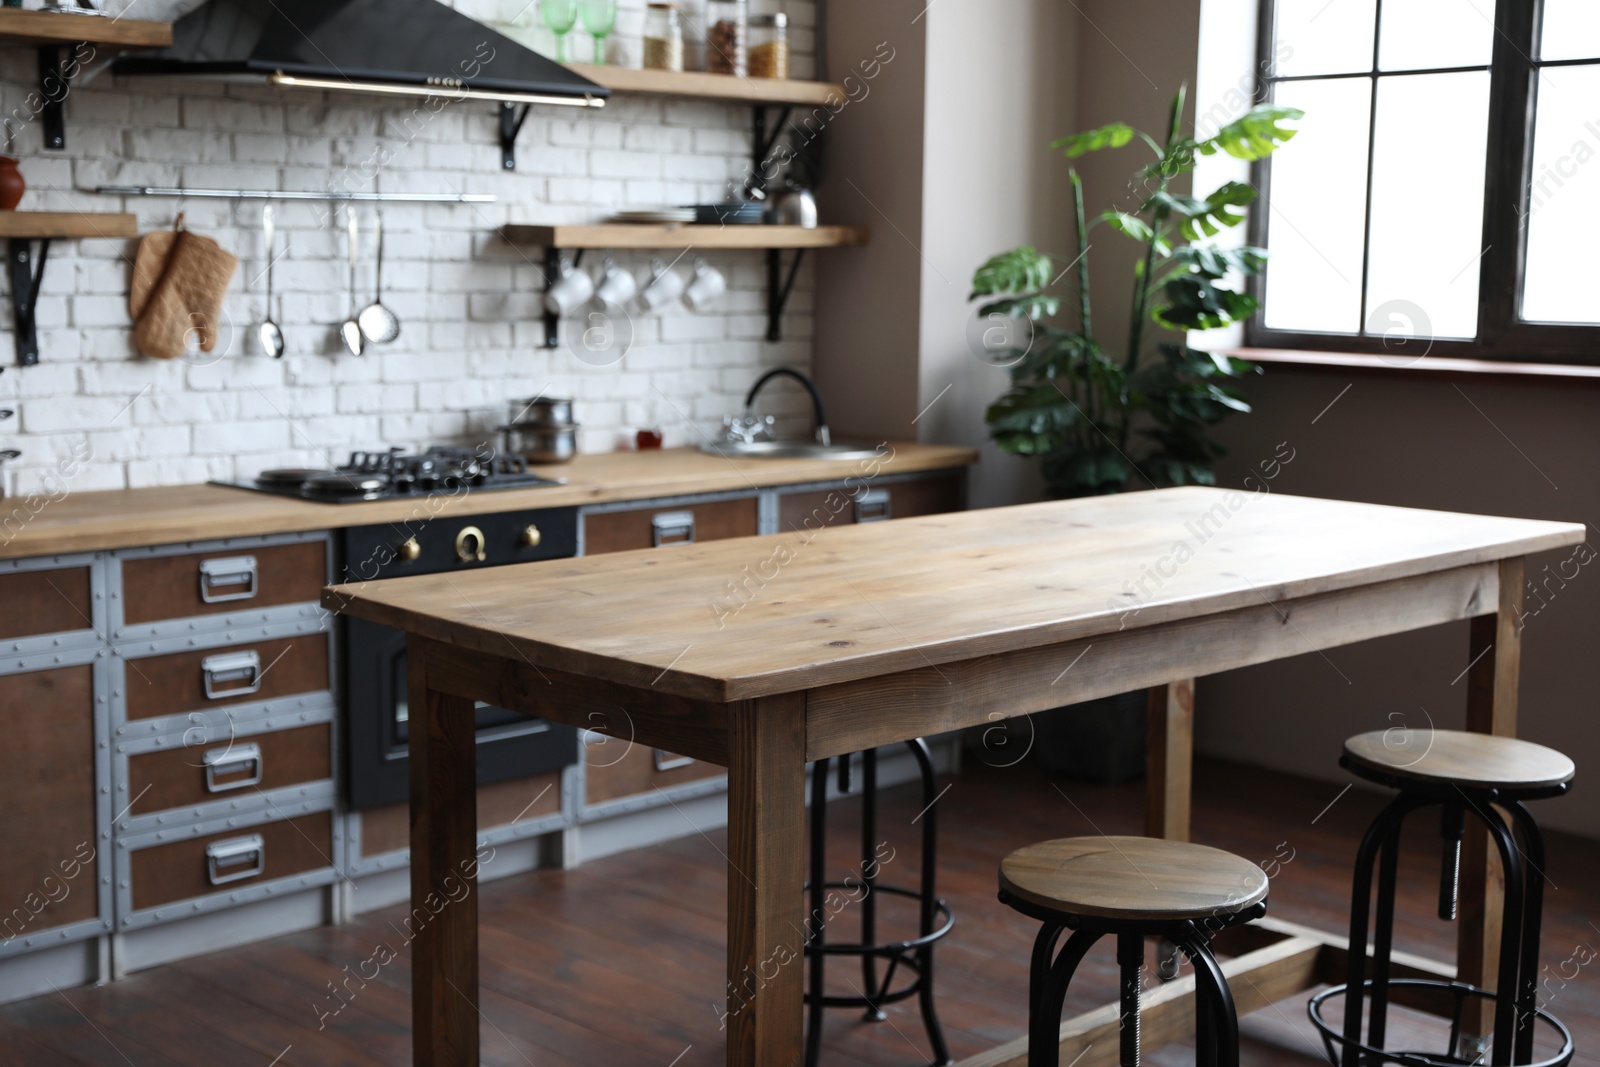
[
  {"x": 559, "y": 16},
  {"x": 599, "y": 19}
]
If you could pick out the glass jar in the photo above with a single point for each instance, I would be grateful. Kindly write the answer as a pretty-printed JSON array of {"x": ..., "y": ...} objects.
[
  {"x": 769, "y": 46},
  {"x": 663, "y": 38},
  {"x": 728, "y": 37}
]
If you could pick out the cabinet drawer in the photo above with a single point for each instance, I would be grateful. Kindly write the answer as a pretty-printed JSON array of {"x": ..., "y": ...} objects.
[
  {"x": 814, "y": 509},
  {"x": 217, "y": 677},
  {"x": 52, "y": 601},
  {"x": 215, "y": 863},
  {"x": 188, "y": 776},
  {"x": 388, "y": 829},
  {"x": 229, "y": 579},
  {"x": 639, "y": 770},
  {"x": 664, "y": 525}
]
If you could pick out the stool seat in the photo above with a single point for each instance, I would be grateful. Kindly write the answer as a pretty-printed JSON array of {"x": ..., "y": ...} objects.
[
  {"x": 1132, "y": 879},
  {"x": 1457, "y": 758}
]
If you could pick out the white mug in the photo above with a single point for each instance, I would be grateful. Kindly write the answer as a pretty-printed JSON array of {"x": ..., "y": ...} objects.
[
  {"x": 665, "y": 286},
  {"x": 616, "y": 287},
  {"x": 708, "y": 285},
  {"x": 569, "y": 291}
]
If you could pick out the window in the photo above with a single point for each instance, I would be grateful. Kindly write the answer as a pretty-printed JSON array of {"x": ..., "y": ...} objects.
[{"x": 1443, "y": 184}]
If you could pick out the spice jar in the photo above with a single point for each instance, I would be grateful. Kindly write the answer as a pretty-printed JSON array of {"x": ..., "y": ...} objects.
[
  {"x": 663, "y": 37},
  {"x": 728, "y": 39},
  {"x": 769, "y": 46}
]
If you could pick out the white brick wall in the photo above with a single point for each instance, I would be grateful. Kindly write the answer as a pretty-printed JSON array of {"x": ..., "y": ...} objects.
[{"x": 471, "y": 335}]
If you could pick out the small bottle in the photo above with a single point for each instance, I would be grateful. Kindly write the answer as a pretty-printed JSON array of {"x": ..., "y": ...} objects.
[
  {"x": 728, "y": 40},
  {"x": 663, "y": 37},
  {"x": 769, "y": 46}
]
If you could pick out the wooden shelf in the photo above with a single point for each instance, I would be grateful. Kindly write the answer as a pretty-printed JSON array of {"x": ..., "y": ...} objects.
[
  {"x": 65, "y": 224},
  {"x": 684, "y": 235},
  {"x": 53, "y": 27},
  {"x": 710, "y": 86}
]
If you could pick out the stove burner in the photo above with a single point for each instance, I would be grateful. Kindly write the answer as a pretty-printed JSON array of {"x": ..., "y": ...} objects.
[
  {"x": 345, "y": 485},
  {"x": 394, "y": 473}
]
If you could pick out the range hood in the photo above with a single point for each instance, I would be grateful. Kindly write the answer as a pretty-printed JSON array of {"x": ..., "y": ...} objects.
[{"x": 414, "y": 48}]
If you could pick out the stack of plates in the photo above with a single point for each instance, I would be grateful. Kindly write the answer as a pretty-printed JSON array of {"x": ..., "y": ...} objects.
[
  {"x": 656, "y": 215},
  {"x": 738, "y": 212}
]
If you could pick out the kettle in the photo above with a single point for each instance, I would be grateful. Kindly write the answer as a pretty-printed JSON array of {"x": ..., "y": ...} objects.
[{"x": 794, "y": 206}]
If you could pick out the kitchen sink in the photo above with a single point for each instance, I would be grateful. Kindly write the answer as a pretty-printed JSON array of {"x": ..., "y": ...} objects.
[{"x": 792, "y": 450}]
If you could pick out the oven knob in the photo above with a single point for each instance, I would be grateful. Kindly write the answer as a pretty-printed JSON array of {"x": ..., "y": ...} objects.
[
  {"x": 531, "y": 536},
  {"x": 409, "y": 550},
  {"x": 470, "y": 545}
]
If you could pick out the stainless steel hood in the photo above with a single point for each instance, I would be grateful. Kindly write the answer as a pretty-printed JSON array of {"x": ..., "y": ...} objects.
[{"x": 413, "y": 48}]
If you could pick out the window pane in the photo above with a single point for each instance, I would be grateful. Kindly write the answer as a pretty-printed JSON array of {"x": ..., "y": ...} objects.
[
  {"x": 1323, "y": 36},
  {"x": 1427, "y": 202},
  {"x": 1571, "y": 30},
  {"x": 1563, "y": 187},
  {"x": 1316, "y": 212},
  {"x": 1420, "y": 34}
]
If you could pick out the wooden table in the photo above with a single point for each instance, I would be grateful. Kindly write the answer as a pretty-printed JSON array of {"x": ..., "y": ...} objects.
[{"x": 760, "y": 654}]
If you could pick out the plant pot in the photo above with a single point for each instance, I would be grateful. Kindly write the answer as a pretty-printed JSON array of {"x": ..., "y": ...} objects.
[
  {"x": 1098, "y": 741},
  {"x": 12, "y": 184}
]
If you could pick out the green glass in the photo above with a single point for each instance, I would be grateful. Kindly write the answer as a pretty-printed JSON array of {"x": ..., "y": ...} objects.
[
  {"x": 599, "y": 19},
  {"x": 560, "y": 16}
]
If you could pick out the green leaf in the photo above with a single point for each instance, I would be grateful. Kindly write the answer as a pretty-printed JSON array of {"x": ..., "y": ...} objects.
[
  {"x": 1217, "y": 211},
  {"x": 1214, "y": 262},
  {"x": 1031, "y": 420},
  {"x": 1115, "y": 135},
  {"x": 1135, "y": 227},
  {"x": 1020, "y": 270},
  {"x": 1031, "y": 306},
  {"x": 1254, "y": 135}
]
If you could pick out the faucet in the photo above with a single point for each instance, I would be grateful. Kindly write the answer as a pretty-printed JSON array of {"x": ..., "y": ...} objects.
[{"x": 819, "y": 413}]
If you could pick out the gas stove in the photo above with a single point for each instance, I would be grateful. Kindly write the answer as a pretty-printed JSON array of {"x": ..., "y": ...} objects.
[{"x": 395, "y": 474}]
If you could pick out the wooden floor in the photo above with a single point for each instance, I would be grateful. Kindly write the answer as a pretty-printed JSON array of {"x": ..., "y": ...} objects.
[{"x": 620, "y": 962}]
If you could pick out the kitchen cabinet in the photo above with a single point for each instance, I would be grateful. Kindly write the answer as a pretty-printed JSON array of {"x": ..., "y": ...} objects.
[
  {"x": 870, "y": 502},
  {"x": 670, "y": 523},
  {"x": 503, "y": 808}
]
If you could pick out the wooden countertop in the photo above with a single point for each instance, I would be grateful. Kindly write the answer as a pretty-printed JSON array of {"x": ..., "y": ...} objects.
[
  {"x": 128, "y": 518},
  {"x": 857, "y": 602}
]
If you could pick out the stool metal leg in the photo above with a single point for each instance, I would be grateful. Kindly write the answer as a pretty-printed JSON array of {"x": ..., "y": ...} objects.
[
  {"x": 816, "y": 911},
  {"x": 927, "y": 900},
  {"x": 1387, "y": 824},
  {"x": 869, "y": 880},
  {"x": 1044, "y": 1031},
  {"x": 1388, "y": 866},
  {"x": 1044, "y": 951},
  {"x": 1532, "y": 918},
  {"x": 1223, "y": 1013},
  {"x": 1130, "y": 958},
  {"x": 1451, "y": 830},
  {"x": 1505, "y": 1008}
]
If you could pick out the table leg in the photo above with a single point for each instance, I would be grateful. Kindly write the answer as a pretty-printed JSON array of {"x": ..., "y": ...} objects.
[
  {"x": 1169, "y": 759},
  {"x": 1496, "y": 650},
  {"x": 766, "y": 875},
  {"x": 444, "y": 901}
]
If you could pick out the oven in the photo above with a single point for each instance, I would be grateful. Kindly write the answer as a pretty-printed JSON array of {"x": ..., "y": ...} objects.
[{"x": 510, "y": 744}]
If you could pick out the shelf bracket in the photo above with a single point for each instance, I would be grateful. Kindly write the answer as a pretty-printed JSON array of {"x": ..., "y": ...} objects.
[
  {"x": 511, "y": 121},
  {"x": 762, "y": 143},
  {"x": 25, "y": 278},
  {"x": 779, "y": 288},
  {"x": 54, "y": 83}
]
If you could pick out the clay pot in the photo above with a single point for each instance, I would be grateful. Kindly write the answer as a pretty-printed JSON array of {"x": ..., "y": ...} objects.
[{"x": 12, "y": 184}]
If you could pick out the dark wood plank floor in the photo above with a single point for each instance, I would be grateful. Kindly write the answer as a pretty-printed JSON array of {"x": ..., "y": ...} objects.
[{"x": 620, "y": 961}]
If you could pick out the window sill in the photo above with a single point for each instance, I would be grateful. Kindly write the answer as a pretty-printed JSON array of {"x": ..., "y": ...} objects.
[{"x": 1438, "y": 367}]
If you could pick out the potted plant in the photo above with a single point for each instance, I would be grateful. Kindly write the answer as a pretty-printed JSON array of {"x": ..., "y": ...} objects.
[{"x": 1101, "y": 421}]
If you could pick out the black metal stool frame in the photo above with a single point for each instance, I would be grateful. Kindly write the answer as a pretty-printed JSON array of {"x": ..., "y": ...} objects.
[
  {"x": 1516, "y": 991},
  {"x": 914, "y": 954},
  {"x": 1050, "y": 972}
]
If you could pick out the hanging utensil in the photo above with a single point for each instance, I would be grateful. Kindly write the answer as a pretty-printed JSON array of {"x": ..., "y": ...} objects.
[
  {"x": 271, "y": 336},
  {"x": 380, "y": 324},
  {"x": 351, "y": 330}
]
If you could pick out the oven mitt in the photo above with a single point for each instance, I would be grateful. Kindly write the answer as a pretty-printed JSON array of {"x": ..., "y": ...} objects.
[{"x": 185, "y": 296}]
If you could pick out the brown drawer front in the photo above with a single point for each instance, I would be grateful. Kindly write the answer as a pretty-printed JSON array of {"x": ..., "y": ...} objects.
[
  {"x": 189, "y": 776},
  {"x": 388, "y": 829},
  {"x": 641, "y": 770},
  {"x": 176, "y": 683},
  {"x": 210, "y": 583},
  {"x": 663, "y": 526},
  {"x": 867, "y": 503},
  {"x": 925, "y": 496},
  {"x": 45, "y": 602},
  {"x": 182, "y": 870}
]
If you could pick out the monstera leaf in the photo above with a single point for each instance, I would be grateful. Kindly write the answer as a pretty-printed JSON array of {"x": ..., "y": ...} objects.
[{"x": 1254, "y": 135}]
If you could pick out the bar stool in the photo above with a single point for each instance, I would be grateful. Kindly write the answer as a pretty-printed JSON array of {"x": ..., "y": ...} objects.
[
  {"x": 1459, "y": 772},
  {"x": 1133, "y": 888},
  {"x": 914, "y": 954}
]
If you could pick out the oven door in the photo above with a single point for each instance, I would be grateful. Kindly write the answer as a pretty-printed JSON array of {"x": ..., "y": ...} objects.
[{"x": 510, "y": 744}]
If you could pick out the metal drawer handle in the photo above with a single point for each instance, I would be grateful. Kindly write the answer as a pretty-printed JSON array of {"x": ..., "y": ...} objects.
[
  {"x": 670, "y": 761},
  {"x": 232, "y": 760},
  {"x": 672, "y": 528},
  {"x": 223, "y": 856},
  {"x": 231, "y": 667},
  {"x": 225, "y": 574},
  {"x": 873, "y": 506}
]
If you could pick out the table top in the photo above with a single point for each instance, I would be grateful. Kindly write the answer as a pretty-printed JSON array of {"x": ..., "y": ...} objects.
[{"x": 757, "y": 616}]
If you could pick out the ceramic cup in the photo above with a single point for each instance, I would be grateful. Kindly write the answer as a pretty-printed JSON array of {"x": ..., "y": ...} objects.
[
  {"x": 569, "y": 291},
  {"x": 665, "y": 286},
  {"x": 706, "y": 288},
  {"x": 616, "y": 287}
]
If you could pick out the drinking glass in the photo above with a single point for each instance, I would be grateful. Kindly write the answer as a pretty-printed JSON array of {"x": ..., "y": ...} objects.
[
  {"x": 599, "y": 19},
  {"x": 559, "y": 16}
]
